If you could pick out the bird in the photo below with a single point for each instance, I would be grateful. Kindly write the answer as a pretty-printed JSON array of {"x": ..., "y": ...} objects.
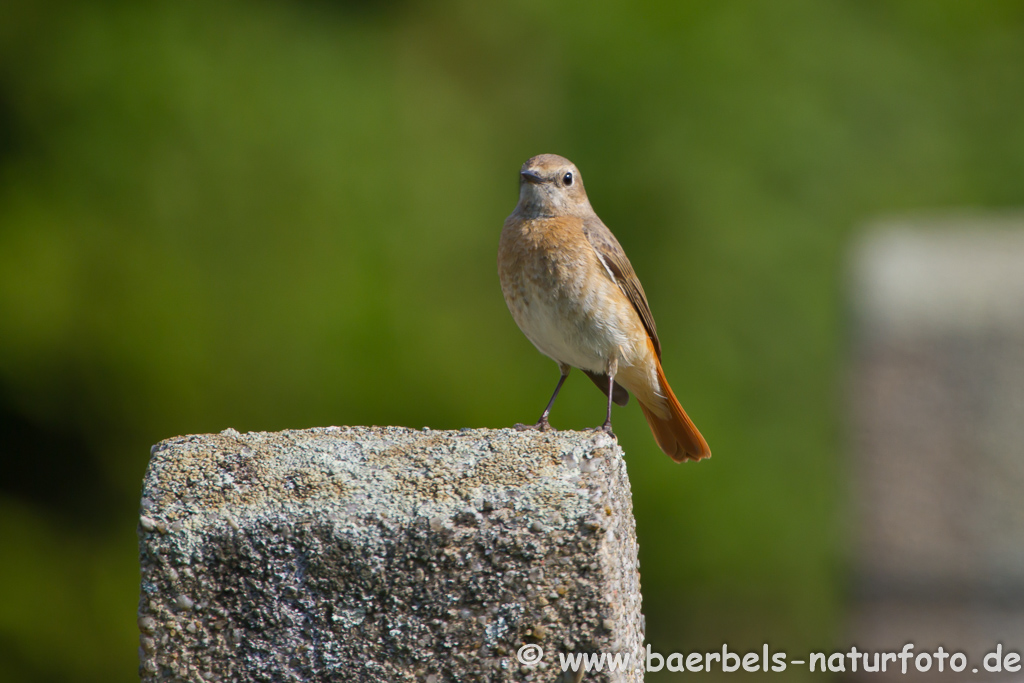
[{"x": 574, "y": 294}]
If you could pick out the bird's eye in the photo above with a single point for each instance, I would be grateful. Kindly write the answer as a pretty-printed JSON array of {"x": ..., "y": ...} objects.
[{"x": 567, "y": 179}]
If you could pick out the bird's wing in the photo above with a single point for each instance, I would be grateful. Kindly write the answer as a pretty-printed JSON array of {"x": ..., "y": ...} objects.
[{"x": 610, "y": 252}]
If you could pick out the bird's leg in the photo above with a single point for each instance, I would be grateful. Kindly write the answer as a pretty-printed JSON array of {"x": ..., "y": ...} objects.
[
  {"x": 613, "y": 367},
  {"x": 607, "y": 426},
  {"x": 543, "y": 424}
]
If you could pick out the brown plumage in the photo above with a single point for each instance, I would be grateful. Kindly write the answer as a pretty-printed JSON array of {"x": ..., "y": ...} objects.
[{"x": 574, "y": 294}]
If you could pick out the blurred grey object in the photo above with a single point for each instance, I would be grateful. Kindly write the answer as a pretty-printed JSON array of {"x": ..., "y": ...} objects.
[
  {"x": 937, "y": 388},
  {"x": 386, "y": 554}
]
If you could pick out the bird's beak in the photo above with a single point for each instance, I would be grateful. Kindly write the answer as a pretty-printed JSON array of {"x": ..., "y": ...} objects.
[{"x": 531, "y": 177}]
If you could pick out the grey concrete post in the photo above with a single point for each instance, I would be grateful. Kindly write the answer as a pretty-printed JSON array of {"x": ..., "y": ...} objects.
[{"x": 386, "y": 554}]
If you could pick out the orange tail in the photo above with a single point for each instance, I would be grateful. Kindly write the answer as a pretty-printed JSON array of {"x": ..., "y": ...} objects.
[{"x": 676, "y": 435}]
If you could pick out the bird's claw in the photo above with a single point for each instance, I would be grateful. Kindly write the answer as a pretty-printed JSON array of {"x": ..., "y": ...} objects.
[
  {"x": 606, "y": 428},
  {"x": 542, "y": 426}
]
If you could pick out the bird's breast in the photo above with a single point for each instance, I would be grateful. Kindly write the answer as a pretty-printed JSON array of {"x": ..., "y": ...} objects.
[{"x": 561, "y": 297}]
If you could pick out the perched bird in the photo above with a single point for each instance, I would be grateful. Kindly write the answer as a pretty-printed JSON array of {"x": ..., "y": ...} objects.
[{"x": 574, "y": 294}]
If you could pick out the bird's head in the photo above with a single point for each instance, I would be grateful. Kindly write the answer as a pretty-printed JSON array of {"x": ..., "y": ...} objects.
[{"x": 550, "y": 185}]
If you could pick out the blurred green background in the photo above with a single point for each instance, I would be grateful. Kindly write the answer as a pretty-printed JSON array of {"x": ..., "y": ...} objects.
[{"x": 275, "y": 215}]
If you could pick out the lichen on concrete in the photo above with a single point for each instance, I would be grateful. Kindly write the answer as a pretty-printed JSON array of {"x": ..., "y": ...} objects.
[{"x": 385, "y": 554}]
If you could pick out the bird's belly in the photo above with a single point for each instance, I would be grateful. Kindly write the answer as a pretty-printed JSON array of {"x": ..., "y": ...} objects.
[{"x": 584, "y": 325}]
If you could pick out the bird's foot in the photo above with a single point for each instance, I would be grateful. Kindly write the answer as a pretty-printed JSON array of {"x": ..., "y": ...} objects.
[
  {"x": 541, "y": 426},
  {"x": 606, "y": 428}
]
